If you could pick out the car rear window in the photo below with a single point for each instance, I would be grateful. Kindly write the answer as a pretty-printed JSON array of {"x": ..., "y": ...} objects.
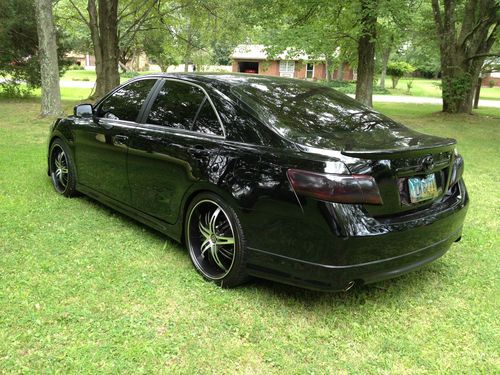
[{"x": 297, "y": 108}]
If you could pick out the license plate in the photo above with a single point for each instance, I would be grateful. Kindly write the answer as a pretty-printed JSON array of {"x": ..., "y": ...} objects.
[{"x": 422, "y": 188}]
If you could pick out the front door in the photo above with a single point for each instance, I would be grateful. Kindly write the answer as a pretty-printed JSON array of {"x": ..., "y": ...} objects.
[
  {"x": 172, "y": 148},
  {"x": 101, "y": 143}
]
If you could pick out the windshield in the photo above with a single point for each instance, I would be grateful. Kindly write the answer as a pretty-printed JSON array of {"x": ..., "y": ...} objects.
[{"x": 298, "y": 108}]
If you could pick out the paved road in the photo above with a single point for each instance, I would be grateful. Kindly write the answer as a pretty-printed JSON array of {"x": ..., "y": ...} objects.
[{"x": 79, "y": 84}]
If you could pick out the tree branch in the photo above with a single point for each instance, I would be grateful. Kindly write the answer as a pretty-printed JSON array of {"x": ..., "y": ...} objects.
[
  {"x": 481, "y": 55},
  {"x": 82, "y": 17},
  {"x": 139, "y": 21}
]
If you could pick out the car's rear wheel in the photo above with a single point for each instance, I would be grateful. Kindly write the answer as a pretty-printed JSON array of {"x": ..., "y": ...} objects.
[
  {"x": 215, "y": 240},
  {"x": 61, "y": 169}
]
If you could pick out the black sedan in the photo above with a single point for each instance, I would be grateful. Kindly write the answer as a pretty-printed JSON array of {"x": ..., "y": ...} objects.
[{"x": 276, "y": 178}]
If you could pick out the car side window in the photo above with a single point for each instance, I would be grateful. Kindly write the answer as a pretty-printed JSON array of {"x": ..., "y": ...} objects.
[
  {"x": 126, "y": 103},
  {"x": 206, "y": 121},
  {"x": 176, "y": 105}
]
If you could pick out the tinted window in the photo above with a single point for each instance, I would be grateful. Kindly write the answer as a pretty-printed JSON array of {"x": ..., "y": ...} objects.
[
  {"x": 296, "y": 108},
  {"x": 207, "y": 121},
  {"x": 176, "y": 105},
  {"x": 126, "y": 103}
]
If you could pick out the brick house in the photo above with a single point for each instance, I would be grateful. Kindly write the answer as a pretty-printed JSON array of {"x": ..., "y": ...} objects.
[
  {"x": 252, "y": 58},
  {"x": 491, "y": 77}
]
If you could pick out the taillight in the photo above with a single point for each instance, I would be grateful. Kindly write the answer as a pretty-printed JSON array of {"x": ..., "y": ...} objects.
[
  {"x": 457, "y": 170},
  {"x": 340, "y": 188}
]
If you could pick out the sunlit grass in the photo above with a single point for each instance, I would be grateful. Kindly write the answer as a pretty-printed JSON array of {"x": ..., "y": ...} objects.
[
  {"x": 84, "y": 289},
  {"x": 432, "y": 88}
]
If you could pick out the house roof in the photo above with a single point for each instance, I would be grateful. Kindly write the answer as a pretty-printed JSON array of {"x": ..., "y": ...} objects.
[{"x": 258, "y": 52}]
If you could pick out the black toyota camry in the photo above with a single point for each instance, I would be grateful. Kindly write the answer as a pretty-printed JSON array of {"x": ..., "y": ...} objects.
[{"x": 277, "y": 178}]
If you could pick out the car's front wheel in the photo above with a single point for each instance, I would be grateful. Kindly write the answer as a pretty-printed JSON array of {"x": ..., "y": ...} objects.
[
  {"x": 215, "y": 240},
  {"x": 61, "y": 169}
]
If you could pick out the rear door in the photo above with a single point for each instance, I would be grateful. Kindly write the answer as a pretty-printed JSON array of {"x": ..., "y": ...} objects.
[
  {"x": 174, "y": 146},
  {"x": 101, "y": 143}
]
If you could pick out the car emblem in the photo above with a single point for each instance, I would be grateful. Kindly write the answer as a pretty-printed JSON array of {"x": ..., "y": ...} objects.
[{"x": 428, "y": 163}]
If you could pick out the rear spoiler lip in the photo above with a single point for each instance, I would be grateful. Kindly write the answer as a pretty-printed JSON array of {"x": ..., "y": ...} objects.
[{"x": 397, "y": 153}]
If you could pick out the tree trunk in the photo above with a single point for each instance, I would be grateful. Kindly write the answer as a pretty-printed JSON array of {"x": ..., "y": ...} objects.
[
  {"x": 49, "y": 68},
  {"x": 103, "y": 22},
  {"x": 328, "y": 76},
  {"x": 463, "y": 53},
  {"x": 366, "y": 52},
  {"x": 386, "y": 52},
  {"x": 477, "y": 92}
]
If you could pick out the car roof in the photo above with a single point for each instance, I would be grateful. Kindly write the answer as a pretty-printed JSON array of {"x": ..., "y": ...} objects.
[{"x": 231, "y": 79}]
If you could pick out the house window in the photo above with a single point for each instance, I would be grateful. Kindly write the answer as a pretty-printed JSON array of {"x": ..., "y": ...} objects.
[
  {"x": 287, "y": 68},
  {"x": 309, "y": 70}
]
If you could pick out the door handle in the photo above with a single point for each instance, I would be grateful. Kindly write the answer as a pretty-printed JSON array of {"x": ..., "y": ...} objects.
[
  {"x": 120, "y": 139},
  {"x": 106, "y": 123},
  {"x": 197, "y": 150}
]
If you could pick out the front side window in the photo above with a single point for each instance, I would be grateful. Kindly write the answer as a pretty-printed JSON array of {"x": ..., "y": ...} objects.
[
  {"x": 126, "y": 103},
  {"x": 176, "y": 105},
  {"x": 183, "y": 106}
]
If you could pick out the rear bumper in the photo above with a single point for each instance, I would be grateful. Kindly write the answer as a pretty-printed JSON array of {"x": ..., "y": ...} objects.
[
  {"x": 335, "y": 278},
  {"x": 418, "y": 245}
]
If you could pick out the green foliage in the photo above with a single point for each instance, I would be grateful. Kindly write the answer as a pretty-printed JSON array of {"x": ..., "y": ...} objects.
[
  {"x": 162, "y": 49},
  {"x": 491, "y": 83},
  {"x": 409, "y": 85},
  {"x": 221, "y": 51},
  {"x": 418, "y": 45},
  {"x": 129, "y": 74},
  {"x": 455, "y": 89},
  {"x": 19, "y": 48},
  {"x": 199, "y": 32},
  {"x": 12, "y": 89},
  {"x": 326, "y": 30},
  {"x": 75, "y": 67},
  {"x": 398, "y": 69}
]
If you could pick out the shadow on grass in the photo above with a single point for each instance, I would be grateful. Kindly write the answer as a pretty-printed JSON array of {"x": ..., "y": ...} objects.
[{"x": 411, "y": 284}]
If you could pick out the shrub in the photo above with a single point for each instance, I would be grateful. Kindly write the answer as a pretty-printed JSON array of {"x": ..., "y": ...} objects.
[
  {"x": 76, "y": 67},
  {"x": 13, "y": 89},
  {"x": 491, "y": 83},
  {"x": 409, "y": 85},
  {"x": 130, "y": 74},
  {"x": 398, "y": 69}
]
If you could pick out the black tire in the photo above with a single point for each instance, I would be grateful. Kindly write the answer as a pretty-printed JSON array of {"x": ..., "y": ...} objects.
[
  {"x": 211, "y": 230},
  {"x": 62, "y": 169}
]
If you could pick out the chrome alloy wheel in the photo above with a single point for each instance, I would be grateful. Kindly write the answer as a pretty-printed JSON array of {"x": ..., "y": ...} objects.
[
  {"x": 59, "y": 169},
  {"x": 211, "y": 239}
]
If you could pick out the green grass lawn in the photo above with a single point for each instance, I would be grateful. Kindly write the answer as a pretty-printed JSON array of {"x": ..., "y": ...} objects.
[
  {"x": 89, "y": 75},
  {"x": 420, "y": 87},
  {"x": 431, "y": 88},
  {"x": 84, "y": 289}
]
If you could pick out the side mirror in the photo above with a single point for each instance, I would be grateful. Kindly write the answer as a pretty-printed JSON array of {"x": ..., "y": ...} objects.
[{"x": 83, "y": 110}]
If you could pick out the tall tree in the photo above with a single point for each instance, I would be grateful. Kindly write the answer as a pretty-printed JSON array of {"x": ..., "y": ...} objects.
[
  {"x": 104, "y": 18},
  {"x": 103, "y": 24},
  {"x": 466, "y": 32},
  {"x": 366, "y": 51},
  {"x": 49, "y": 69}
]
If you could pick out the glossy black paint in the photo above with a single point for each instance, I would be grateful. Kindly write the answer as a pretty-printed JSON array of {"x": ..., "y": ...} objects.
[{"x": 152, "y": 171}]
